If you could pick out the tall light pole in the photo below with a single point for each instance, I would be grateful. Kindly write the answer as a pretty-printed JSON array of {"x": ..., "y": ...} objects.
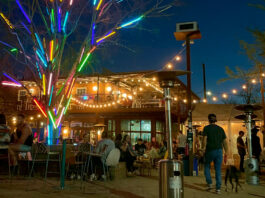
[{"x": 188, "y": 31}]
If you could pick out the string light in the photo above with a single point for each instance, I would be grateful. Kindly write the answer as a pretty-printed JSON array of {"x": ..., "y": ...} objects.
[
  {"x": 263, "y": 74},
  {"x": 244, "y": 87},
  {"x": 234, "y": 91},
  {"x": 224, "y": 96},
  {"x": 169, "y": 66},
  {"x": 95, "y": 88},
  {"x": 209, "y": 93},
  {"x": 214, "y": 98},
  {"x": 253, "y": 81},
  {"x": 109, "y": 89},
  {"x": 178, "y": 58},
  {"x": 204, "y": 100},
  {"x": 194, "y": 101}
]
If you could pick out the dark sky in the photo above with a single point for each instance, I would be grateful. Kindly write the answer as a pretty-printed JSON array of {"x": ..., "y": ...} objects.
[{"x": 222, "y": 23}]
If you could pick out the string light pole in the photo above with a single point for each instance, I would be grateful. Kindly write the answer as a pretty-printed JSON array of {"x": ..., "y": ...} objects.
[
  {"x": 187, "y": 32},
  {"x": 262, "y": 100}
]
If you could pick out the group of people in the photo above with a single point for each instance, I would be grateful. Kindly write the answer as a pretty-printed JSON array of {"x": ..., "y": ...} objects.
[
  {"x": 215, "y": 141},
  {"x": 242, "y": 146}
]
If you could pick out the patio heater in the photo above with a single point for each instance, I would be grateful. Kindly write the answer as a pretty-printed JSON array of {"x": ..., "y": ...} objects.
[
  {"x": 251, "y": 164},
  {"x": 170, "y": 170}
]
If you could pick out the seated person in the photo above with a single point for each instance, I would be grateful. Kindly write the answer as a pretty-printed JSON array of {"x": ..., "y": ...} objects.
[
  {"x": 104, "y": 147},
  {"x": 4, "y": 130},
  {"x": 140, "y": 147},
  {"x": 128, "y": 152},
  {"x": 162, "y": 150},
  {"x": 23, "y": 140}
]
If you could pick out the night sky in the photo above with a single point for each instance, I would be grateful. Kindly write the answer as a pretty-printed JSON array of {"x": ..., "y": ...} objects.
[{"x": 222, "y": 24}]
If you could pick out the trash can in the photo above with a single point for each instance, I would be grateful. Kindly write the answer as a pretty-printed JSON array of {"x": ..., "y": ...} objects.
[
  {"x": 171, "y": 179},
  {"x": 251, "y": 167}
]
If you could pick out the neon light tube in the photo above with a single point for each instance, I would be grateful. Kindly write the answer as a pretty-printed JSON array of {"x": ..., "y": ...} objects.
[
  {"x": 23, "y": 11},
  {"x": 82, "y": 54},
  {"x": 43, "y": 84},
  {"x": 70, "y": 88},
  {"x": 6, "y": 20},
  {"x": 52, "y": 16},
  {"x": 65, "y": 21},
  {"x": 43, "y": 60},
  {"x": 95, "y": 2},
  {"x": 93, "y": 34},
  {"x": 25, "y": 27},
  {"x": 11, "y": 79},
  {"x": 40, "y": 108},
  {"x": 99, "y": 4},
  {"x": 59, "y": 19},
  {"x": 39, "y": 42},
  {"x": 38, "y": 68},
  {"x": 52, "y": 119},
  {"x": 60, "y": 90},
  {"x": 13, "y": 50},
  {"x": 7, "y": 83},
  {"x": 84, "y": 61},
  {"x": 50, "y": 82},
  {"x": 106, "y": 36},
  {"x": 131, "y": 22},
  {"x": 60, "y": 102},
  {"x": 6, "y": 44},
  {"x": 51, "y": 50},
  {"x": 71, "y": 2},
  {"x": 51, "y": 97},
  {"x": 67, "y": 105},
  {"x": 60, "y": 118}
]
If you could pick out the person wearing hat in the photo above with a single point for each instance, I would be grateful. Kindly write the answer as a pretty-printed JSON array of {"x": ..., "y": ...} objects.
[{"x": 214, "y": 140}]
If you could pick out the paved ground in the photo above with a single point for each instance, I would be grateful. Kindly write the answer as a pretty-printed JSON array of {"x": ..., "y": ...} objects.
[{"x": 132, "y": 187}]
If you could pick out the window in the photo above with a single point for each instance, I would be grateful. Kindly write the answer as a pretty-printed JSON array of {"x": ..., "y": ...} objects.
[
  {"x": 21, "y": 95},
  {"x": 159, "y": 126},
  {"x": 137, "y": 129},
  {"x": 81, "y": 91},
  {"x": 146, "y": 125},
  {"x": 135, "y": 125},
  {"x": 125, "y": 125},
  {"x": 111, "y": 125}
]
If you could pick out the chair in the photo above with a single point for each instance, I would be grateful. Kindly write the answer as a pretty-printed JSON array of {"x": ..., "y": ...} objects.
[
  {"x": 78, "y": 156},
  {"x": 43, "y": 155},
  {"x": 112, "y": 160}
]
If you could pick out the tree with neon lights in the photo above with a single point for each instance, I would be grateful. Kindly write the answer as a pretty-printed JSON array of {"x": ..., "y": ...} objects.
[{"x": 43, "y": 32}]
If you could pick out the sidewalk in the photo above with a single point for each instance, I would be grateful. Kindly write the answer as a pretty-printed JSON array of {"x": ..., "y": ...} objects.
[{"x": 132, "y": 187}]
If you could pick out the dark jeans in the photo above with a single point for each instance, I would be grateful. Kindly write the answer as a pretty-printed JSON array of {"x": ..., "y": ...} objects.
[
  {"x": 241, "y": 167},
  {"x": 217, "y": 157},
  {"x": 129, "y": 159}
]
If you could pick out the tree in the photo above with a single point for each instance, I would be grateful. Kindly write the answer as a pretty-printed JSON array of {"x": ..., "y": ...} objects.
[{"x": 60, "y": 37}]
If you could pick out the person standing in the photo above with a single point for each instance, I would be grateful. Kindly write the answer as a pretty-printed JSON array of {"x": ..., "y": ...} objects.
[
  {"x": 214, "y": 140},
  {"x": 241, "y": 147},
  {"x": 256, "y": 147},
  {"x": 23, "y": 139}
]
